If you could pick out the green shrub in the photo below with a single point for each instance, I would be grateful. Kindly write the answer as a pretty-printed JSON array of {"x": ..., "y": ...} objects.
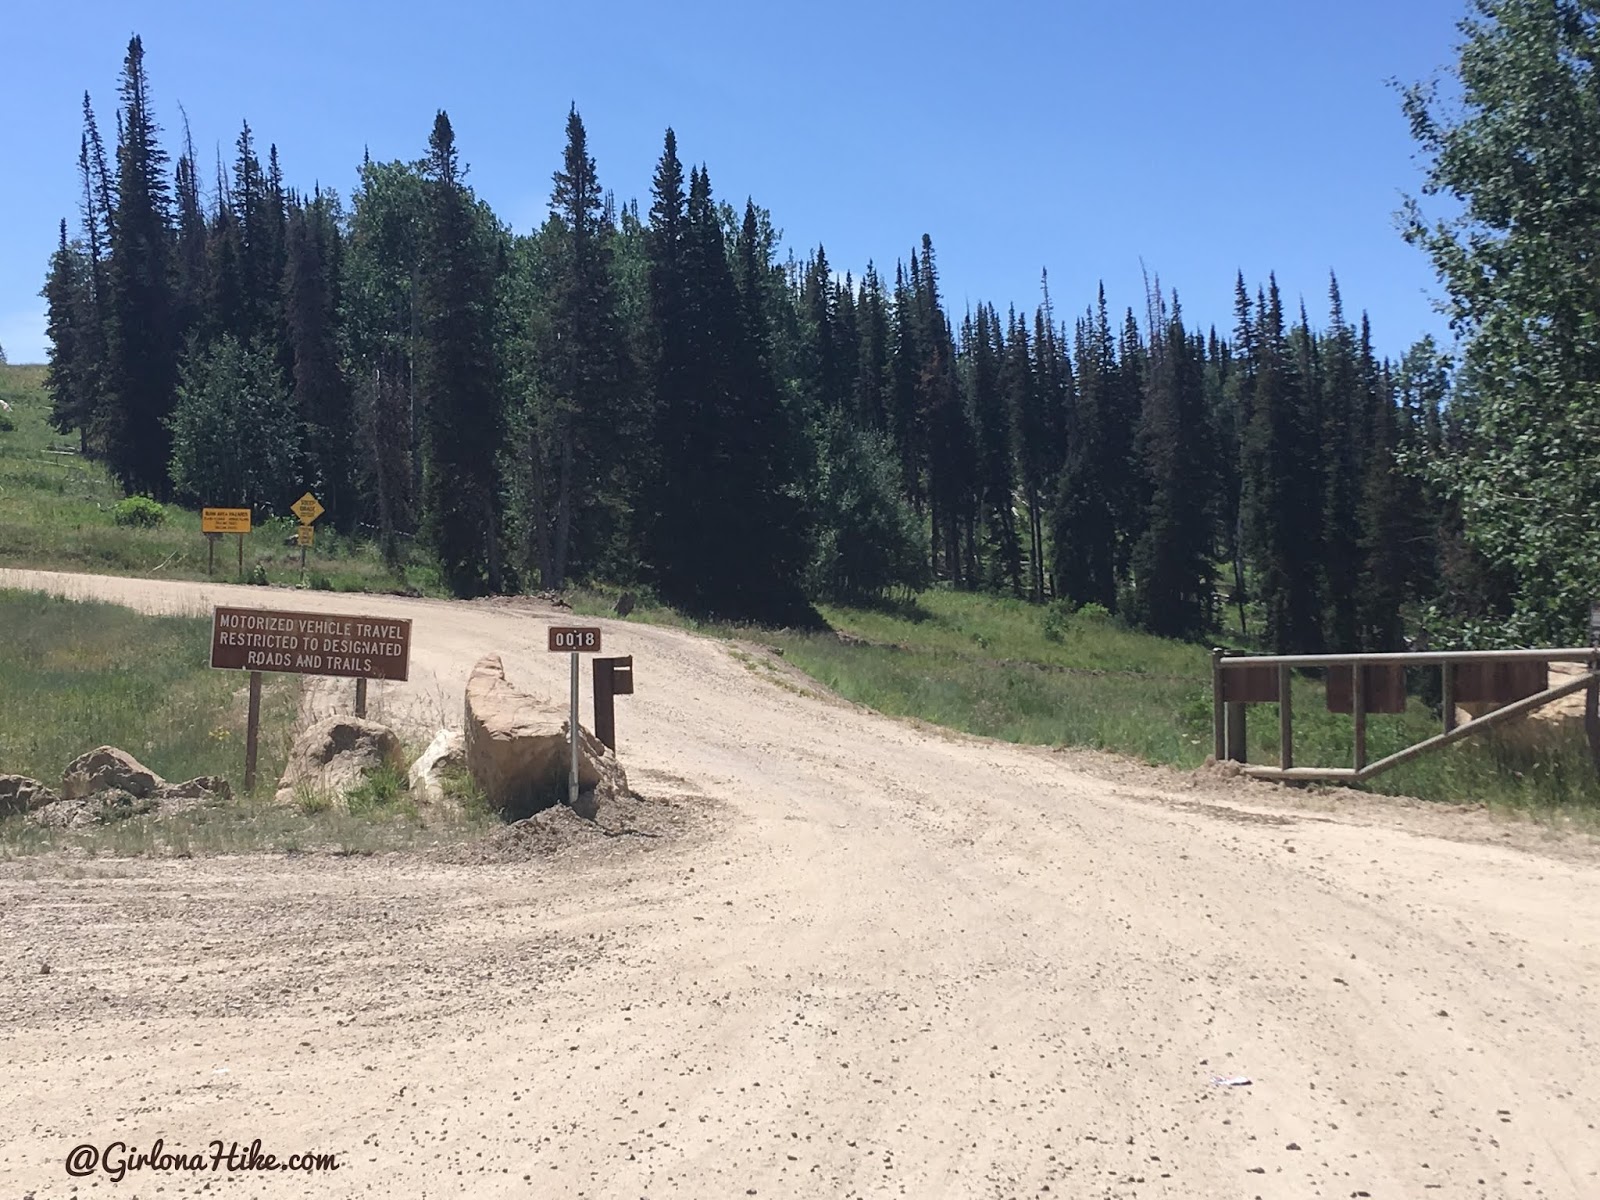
[
  {"x": 140, "y": 511},
  {"x": 320, "y": 582},
  {"x": 7, "y": 425}
]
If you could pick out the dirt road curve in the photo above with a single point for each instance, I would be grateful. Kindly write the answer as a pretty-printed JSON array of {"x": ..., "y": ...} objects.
[{"x": 889, "y": 963}]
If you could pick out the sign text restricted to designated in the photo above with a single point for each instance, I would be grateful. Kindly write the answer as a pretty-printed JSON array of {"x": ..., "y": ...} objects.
[
  {"x": 583, "y": 638},
  {"x": 254, "y": 639}
]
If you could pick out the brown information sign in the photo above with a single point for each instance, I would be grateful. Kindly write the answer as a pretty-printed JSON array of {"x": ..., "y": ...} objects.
[
  {"x": 583, "y": 638},
  {"x": 298, "y": 643},
  {"x": 224, "y": 520}
]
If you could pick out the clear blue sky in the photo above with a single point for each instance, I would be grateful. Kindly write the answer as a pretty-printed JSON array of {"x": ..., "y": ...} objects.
[{"x": 1202, "y": 138}]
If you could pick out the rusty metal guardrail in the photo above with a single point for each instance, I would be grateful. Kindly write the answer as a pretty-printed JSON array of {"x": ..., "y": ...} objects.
[{"x": 1517, "y": 681}]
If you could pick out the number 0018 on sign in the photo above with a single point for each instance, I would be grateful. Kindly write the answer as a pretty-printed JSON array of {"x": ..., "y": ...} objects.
[{"x": 582, "y": 638}]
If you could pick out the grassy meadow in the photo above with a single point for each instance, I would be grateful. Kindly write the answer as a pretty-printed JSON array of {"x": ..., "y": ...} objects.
[{"x": 56, "y": 513}]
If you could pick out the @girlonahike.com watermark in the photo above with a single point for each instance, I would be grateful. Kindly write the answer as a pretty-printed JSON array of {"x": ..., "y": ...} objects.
[{"x": 115, "y": 1160}]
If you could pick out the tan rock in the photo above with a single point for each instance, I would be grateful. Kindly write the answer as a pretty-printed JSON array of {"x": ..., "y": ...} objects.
[
  {"x": 448, "y": 749},
  {"x": 105, "y": 768},
  {"x": 19, "y": 794},
  {"x": 336, "y": 754},
  {"x": 518, "y": 749}
]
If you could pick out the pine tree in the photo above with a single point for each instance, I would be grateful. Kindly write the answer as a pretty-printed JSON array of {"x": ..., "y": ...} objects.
[
  {"x": 70, "y": 327},
  {"x": 1171, "y": 563},
  {"x": 1282, "y": 495},
  {"x": 458, "y": 373},
  {"x": 990, "y": 417},
  {"x": 321, "y": 392},
  {"x": 871, "y": 391},
  {"x": 1083, "y": 531},
  {"x": 1346, "y": 427},
  {"x": 583, "y": 373},
  {"x": 951, "y": 453},
  {"x": 142, "y": 333}
]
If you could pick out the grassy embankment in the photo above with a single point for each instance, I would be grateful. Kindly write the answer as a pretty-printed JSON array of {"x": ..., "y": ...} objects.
[
  {"x": 1019, "y": 672},
  {"x": 78, "y": 675},
  {"x": 56, "y": 514}
]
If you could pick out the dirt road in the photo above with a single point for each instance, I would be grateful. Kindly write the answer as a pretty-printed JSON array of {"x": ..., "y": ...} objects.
[{"x": 889, "y": 963}]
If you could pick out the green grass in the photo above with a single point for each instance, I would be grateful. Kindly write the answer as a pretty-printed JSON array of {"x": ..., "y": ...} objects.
[
  {"x": 75, "y": 675},
  {"x": 56, "y": 513},
  {"x": 1010, "y": 670},
  {"x": 79, "y": 675}
]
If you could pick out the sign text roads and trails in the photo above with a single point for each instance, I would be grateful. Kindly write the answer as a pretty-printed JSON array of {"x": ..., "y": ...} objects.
[{"x": 299, "y": 643}]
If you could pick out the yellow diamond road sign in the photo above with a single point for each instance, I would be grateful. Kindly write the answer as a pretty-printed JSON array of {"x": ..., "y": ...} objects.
[{"x": 307, "y": 509}]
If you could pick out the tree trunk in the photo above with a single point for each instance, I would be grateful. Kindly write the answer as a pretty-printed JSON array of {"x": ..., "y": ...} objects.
[{"x": 564, "y": 509}]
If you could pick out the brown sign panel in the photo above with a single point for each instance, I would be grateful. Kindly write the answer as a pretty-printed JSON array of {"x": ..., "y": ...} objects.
[
  {"x": 299, "y": 643},
  {"x": 1250, "y": 685},
  {"x": 1383, "y": 686},
  {"x": 1500, "y": 682},
  {"x": 583, "y": 638}
]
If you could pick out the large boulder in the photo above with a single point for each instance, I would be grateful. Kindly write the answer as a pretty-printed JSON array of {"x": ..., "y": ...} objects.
[
  {"x": 519, "y": 751},
  {"x": 336, "y": 754},
  {"x": 19, "y": 794},
  {"x": 448, "y": 749},
  {"x": 107, "y": 768}
]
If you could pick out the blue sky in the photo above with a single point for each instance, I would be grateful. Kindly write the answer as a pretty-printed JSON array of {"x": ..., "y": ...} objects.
[{"x": 1201, "y": 138}]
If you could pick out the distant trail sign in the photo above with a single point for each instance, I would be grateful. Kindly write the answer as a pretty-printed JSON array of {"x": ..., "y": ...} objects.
[
  {"x": 298, "y": 643},
  {"x": 224, "y": 520}
]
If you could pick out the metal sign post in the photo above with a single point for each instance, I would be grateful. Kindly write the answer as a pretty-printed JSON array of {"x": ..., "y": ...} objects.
[
  {"x": 576, "y": 640},
  {"x": 572, "y": 724}
]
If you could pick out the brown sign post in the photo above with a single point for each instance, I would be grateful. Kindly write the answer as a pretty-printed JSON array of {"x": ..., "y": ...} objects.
[
  {"x": 612, "y": 677},
  {"x": 574, "y": 639},
  {"x": 302, "y": 643}
]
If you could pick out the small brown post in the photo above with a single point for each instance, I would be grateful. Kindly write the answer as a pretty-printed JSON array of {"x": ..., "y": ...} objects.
[
  {"x": 605, "y": 713},
  {"x": 1233, "y": 717},
  {"x": 1447, "y": 694},
  {"x": 303, "y": 565},
  {"x": 1219, "y": 730},
  {"x": 1358, "y": 711},
  {"x": 252, "y": 731},
  {"x": 361, "y": 697},
  {"x": 241, "y": 558},
  {"x": 211, "y": 554},
  {"x": 1285, "y": 718}
]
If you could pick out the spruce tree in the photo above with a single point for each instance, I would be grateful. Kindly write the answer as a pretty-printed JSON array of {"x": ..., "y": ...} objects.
[
  {"x": 142, "y": 334},
  {"x": 583, "y": 373},
  {"x": 321, "y": 392},
  {"x": 458, "y": 373},
  {"x": 1083, "y": 530},
  {"x": 1171, "y": 563}
]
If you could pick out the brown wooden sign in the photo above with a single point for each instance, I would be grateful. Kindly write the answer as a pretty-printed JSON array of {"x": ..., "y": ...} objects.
[
  {"x": 1383, "y": 688},
  {"x": 1250, "y": 685},
  {"x": 1500, "y": 682},
  {"x": 583, "y": 638},
  {"x": 299, "y": 643}
]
